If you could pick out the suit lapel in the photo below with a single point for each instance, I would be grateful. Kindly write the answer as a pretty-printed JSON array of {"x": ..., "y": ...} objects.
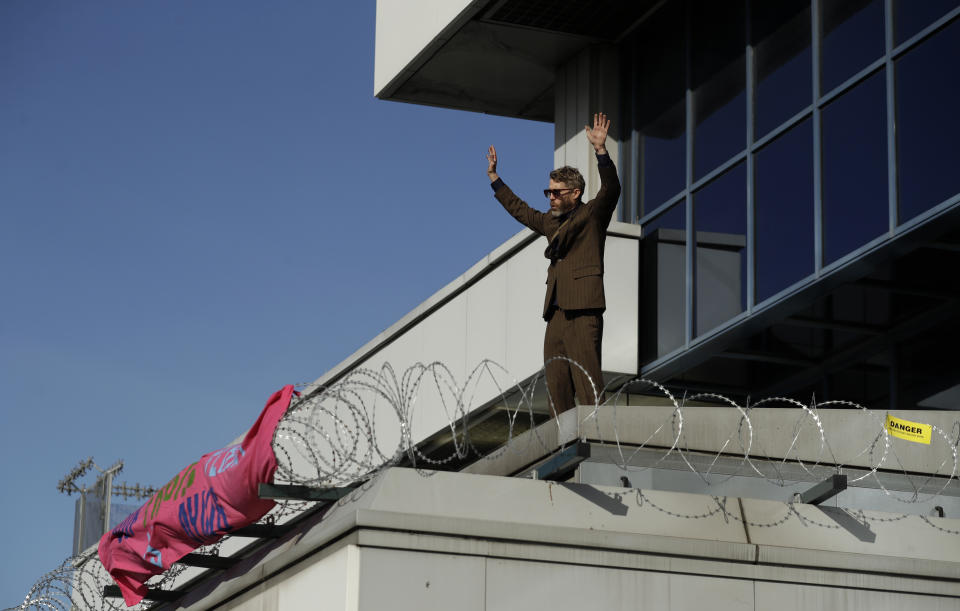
[
  {"x": 567, "y": 222},
  {"x": 556, "y": 231}
]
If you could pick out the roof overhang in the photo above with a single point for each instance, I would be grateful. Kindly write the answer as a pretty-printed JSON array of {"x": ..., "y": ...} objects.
[{"x": 493, "y": 56}]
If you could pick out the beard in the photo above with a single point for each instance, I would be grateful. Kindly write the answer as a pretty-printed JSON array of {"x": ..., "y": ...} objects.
[{"x": 564, "y": 209}]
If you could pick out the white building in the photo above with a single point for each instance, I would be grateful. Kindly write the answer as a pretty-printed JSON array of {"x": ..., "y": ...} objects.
[{"x": 692, "y": 523}]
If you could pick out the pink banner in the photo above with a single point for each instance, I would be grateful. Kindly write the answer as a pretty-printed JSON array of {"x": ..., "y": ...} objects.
[{"x": 206, "y": 500}]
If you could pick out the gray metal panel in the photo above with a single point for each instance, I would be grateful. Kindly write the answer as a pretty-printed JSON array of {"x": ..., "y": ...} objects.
[
  {"x": 794, "y": 597},
  {"x": 641, "y": 563},
  {"x": 891, "y": 90},
  {"x": 816, "y": 36},
  {"x": 859, "y": 541},
  {"x": 521, "y": 586},
  {"x": 405, "y": 580}
]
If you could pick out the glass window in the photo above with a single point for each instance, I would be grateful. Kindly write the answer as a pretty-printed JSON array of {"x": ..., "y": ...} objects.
[
  {"x": 783, "y": 208},
  {"x": 911, "y": 16},
  {"x": 855, "y": 202},
  {"x": 852, "y": 38},
  {"x": 663, "y": 153},
  {"x": 781, "y": 36},
  {"x": 660, "y": 111},
  {"x": 629, "y": 208},
  {"x": 719, "y": 83},
  {"x": 720, "y": 222},
  {"x": 928, "y": 87},
  {"x": 663, "y": 298}
]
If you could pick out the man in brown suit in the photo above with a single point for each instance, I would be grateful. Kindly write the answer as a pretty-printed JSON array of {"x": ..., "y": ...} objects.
[{"x": 574, "y": 303}]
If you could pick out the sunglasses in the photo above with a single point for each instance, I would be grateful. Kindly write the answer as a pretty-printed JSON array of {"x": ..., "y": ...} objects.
[{"x": 548, "y": 193}]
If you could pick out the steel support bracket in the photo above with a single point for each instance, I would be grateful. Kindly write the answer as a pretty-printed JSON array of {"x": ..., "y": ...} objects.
[
  {"x": 261, "y": 531},
  {"x": 155, "y": 594},
  {"x": 302, "y": 493},
  {"x": 563, "y": 462},
  {"x": 208, "y": 561},
  {"x": 828, "y": 488}
]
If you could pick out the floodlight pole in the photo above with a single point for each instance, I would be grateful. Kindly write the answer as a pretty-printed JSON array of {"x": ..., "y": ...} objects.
[
  {"x": 107, "y": 497},
  {"x": 106, "y": 481},
  {"x": 78, "y": 536}
]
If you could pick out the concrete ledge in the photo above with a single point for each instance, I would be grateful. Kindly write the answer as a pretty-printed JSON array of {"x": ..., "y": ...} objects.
[
  {"x": 847, "y": 435},
  {"x": 613, "y": 527},
  {"x": 808, "y": 535},
  {"x": 648, "y": 562}
]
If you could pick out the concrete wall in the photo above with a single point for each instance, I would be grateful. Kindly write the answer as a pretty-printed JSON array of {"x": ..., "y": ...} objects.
[
  {"x": 328, "y": 582},
  {"x": 373, "y": 579}
]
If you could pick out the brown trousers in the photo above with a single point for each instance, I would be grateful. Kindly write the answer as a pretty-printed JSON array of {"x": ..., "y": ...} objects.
[{"x": 576, "y": 335}]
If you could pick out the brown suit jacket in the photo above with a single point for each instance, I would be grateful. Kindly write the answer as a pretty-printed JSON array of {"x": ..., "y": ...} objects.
[{"x": 575, "y": 275}]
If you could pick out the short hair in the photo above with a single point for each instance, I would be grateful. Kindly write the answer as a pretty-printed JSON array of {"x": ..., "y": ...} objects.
[{"x": 569, "y": 176}]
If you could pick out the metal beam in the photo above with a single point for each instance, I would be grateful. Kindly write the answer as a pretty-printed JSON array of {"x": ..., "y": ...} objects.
[
  {"x": 775, "y": 359},
  {"x": 155, "y": 594},
  {"x": 944, "y": 246},
  {"x": 640, "y": 20},
  {"x": 864, "y": 349},
  {"x": 302, "y": 493},
  {"x": 916, "y": 291},
  {"x": 261, "y": 531},
  {"x": 563, "y": 462},
  {"x": 834, "y": 325},
  {"x": 699, "y": 386},
  {"x": 208, "y": 561},
  {"x": 828, "y": 488}
]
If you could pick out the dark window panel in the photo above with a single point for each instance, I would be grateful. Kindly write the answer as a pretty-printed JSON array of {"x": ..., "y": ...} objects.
[
  {"x": 783, "y": 210},
  {"x": 718, "y": 75},
  {"x": 911, "y": 16},
  {"x": 929, "y": 369},
  {"x": 663, "y": 154},
  {"x": 855, "y": 199},
  {"x": 865, "y": 384},
  {"x": 720, "y": 222},
  {"x": 781, "y": 35},
  {"x": 629, "y": 209},
  {"x": 928, "y": 88},
  {"x": 659, "y": 115},
  {"x": 721, "y": 120},
  {"x": 663, "y": 297},
  {"x": 853, "y": 35}
]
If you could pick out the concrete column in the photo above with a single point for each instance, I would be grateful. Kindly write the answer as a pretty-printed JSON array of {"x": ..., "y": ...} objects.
[{"x": 587, "y": 83}]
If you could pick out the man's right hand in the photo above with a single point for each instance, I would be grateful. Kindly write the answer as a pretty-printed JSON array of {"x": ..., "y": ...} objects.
[{"x": 492, "y": 164}]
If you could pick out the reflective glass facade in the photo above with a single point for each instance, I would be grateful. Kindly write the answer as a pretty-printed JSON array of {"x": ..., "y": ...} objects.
[{"x": 789, "y": 139}]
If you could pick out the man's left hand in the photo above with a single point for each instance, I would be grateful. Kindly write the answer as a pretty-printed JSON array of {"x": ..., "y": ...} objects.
[{"x": 598, "y": 134}]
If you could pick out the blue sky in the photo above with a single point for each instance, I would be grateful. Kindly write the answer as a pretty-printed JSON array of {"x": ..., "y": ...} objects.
[{"x": 199, "y": 203}]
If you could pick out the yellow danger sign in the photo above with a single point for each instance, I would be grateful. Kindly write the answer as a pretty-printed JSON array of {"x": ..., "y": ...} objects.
[{"x": 911, "y": 431}]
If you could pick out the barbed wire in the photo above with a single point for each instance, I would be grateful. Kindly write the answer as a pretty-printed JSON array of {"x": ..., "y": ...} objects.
[
  {"x": 370, "y": 419},
  {"x": 336, "y": 435}
]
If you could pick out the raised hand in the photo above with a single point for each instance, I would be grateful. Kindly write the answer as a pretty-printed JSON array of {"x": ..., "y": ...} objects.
[
  {"x": 597, "y": 136},
  {"x": 492, "y": 163}
]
